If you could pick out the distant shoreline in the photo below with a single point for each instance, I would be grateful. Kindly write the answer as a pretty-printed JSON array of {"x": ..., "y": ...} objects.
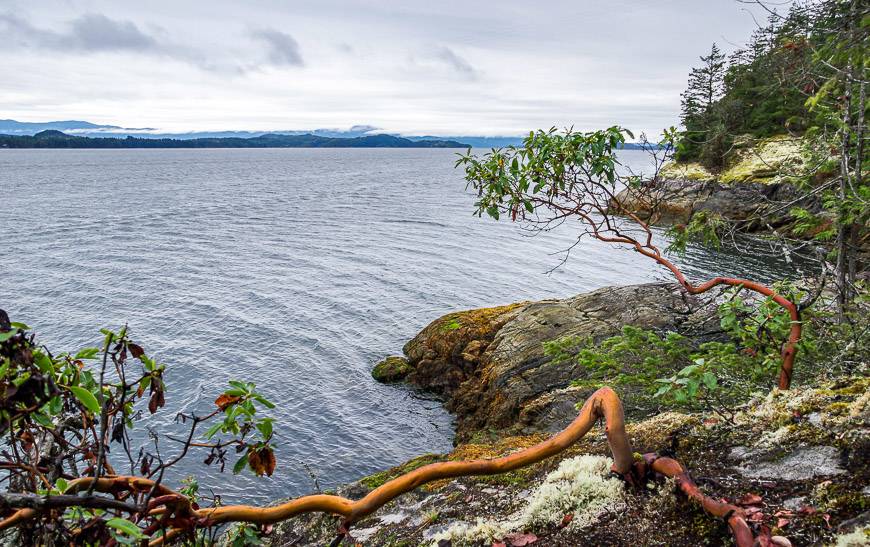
[
  {"x": 54, "y": 139},
  {"x": 58, "y": 140}
]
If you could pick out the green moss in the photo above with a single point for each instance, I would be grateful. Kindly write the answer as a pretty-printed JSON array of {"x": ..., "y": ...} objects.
[
  {"x": 451, "y": 324},
  {"x": 686, "y": 171},
  {"x": 378, "y": 479},
  {"x": 520, "y": 477},
  {"x": 765, "y": 161},
  {"x": 392, "y": 369},
  {"x": 834, "y": 497}
]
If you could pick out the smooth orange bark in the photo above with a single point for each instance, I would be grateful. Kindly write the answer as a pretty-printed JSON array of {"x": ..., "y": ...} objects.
[{"x": 604, "y": 403}]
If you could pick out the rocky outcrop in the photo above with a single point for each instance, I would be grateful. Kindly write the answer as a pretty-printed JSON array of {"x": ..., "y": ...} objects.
[
  {"x": 798, "y": 460},
  {"x": 490, "y": 366},
  {"x": 758, "y": 205},
  {"x": 755, "y": 187}
]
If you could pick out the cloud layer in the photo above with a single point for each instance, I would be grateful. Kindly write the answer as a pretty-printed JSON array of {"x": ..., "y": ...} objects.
[
  {"x": 407, "y": 66},
  {"x": 87, "y": 33}
]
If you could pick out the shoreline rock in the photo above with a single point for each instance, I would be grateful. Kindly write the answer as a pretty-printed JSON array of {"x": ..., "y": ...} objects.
[
  {"x": 755, "y": 183},
  {"x": 392, "y": 369},
  {"x": 490, "y": 367}
]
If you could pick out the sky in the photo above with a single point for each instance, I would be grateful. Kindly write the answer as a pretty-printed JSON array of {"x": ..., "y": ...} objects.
[{"x": 410, "y": 67}]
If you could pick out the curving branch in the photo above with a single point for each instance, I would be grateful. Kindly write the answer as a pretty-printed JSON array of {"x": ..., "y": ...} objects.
[
  {"x": 557, "y": 176},
  {"x": 603, "y": 404}
]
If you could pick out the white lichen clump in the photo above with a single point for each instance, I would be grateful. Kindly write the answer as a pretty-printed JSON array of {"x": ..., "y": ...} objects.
[
  {"x": 581, "y": 486},
  {"x": 857, "y": 538}
]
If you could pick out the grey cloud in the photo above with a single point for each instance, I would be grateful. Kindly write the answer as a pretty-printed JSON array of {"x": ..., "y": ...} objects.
[
  {"x": 96, "y": 32},
  {"x": 90, "y": 32},
  {"x": 456, "y": 62},
  {"x": 283, "y": 48}
]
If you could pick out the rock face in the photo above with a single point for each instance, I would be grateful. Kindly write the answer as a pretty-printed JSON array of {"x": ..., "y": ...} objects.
[
  {"x": 753, "y": 184},
  {"x": 679, "y": 199},
  {"x": 489, "y": 364}
]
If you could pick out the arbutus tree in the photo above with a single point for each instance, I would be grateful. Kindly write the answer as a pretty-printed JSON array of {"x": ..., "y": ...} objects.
[
  {"x": 557, "y": 177},
  {"x": 61, "y": 417}
]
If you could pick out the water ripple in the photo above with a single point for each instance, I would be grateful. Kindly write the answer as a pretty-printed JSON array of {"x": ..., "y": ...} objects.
[{"x": 295, "y": 268}]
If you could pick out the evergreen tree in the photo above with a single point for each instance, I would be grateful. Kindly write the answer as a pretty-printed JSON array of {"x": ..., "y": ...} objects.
[{"x": 704, "y": 89}]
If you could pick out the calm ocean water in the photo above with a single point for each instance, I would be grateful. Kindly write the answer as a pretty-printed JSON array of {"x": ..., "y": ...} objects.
[{"x": 294, "y": 268}]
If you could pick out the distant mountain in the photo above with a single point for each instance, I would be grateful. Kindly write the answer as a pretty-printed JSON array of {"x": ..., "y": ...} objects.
[
  {"x": 478, "y": 142},
  {"x": 52, "y": 138},
  {"x": 88, "y": 129},
  {"x": 14, "y": 127}
]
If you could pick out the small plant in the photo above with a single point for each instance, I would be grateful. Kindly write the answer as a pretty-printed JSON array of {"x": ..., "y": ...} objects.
[
  {"x": 431, "y": 517},
  {"x": 673, "y": 372},
  {"x": 67, "y": 410}
]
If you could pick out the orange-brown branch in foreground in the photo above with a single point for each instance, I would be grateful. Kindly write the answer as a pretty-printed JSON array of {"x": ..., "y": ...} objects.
[{"x": 604, "y": 403}]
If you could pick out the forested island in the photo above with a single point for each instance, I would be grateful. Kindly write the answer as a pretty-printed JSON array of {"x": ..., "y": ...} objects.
[
  {"x": 734, "y": 410},
  {"x": 52, "y": 138}
]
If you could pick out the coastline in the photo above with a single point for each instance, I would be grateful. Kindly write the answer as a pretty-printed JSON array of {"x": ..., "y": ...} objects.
[{"x": 505, "y": 401}]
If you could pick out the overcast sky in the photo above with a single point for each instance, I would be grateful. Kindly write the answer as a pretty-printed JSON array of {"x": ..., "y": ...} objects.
[{"x": 414, "y": 67}]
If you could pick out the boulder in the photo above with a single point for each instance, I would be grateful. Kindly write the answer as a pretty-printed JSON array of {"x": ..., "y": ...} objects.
[{"x": 392, "y": 369}]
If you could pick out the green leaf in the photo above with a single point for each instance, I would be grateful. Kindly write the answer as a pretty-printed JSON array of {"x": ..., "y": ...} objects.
[
  {"x": 709, "y": 380},
  {"x": 212, "y": 430},
  {"x": 688, "y": 370},
  {"x": 243, "y": 461},
  {"x": 263, "y": 401},
  {"x": 42, "y": 420},
  {"x": 265, "y": 427},
  {"x": 20, "y": 326},
  {"x": 8, "y": 334},
  {"x": 86, "y": 398},
  {"x": 44, "y": 363},
  {"x": 87, "y": 353},
  {"x": 241, "y": 385},
  {"x": 125, "y": 526}
]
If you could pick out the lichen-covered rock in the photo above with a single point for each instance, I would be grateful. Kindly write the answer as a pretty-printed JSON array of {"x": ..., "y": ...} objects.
[
  {"x": 392, "y": 369},
  {"x": 765, "y": 161},
  {"x": 444, "y": 353},
  {"x": 571, "y": 500},
  {"x": 692, "y": 171},
  {"x": 799, "y": 465},
  {"x": 677, "y": 200},
  {"x": 756, "y": 181},
  {"x": 491, "y": 367}
]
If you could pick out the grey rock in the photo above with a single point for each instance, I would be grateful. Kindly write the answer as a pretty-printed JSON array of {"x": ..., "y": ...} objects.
[
  {"x": 510, "y": 382},
  {"x": 802, "y": 464},
  {"x": 794, "y": 504}
]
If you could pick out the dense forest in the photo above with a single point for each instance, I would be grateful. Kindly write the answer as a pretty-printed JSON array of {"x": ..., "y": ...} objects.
[{"x": 795, "y": 74}]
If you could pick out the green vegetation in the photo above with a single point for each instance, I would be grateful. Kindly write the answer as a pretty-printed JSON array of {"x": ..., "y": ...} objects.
[
  {"x": 759, "y": 90},
  {"x": 391, "y": 369},
  {"x": 792, "y": 106},
  {"x": 673, "y": 371},
  {"x": 70, "y": 408}
]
